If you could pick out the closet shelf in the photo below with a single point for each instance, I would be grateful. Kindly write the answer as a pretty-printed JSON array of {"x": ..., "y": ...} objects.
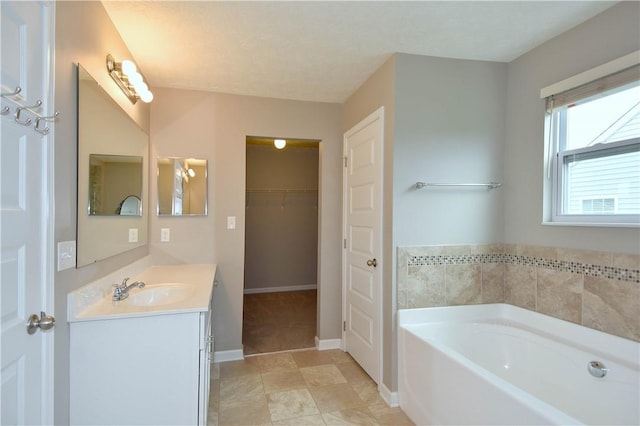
[{"x": 279, "y": 190}]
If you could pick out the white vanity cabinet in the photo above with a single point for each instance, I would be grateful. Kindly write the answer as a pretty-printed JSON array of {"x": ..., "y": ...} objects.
[{"x": 150, "y": 368}]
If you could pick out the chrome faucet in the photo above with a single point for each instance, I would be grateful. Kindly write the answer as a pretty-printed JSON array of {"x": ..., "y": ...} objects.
[{"x": 121, "y": 291}]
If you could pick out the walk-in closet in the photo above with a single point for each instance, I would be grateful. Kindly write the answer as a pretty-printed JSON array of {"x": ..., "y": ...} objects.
[{"x": 281, "y": 244}]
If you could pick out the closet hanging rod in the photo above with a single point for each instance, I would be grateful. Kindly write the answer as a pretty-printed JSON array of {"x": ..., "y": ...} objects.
[
  {"x": 279, "y": 190},
  {"x": 490, "y": 185}
]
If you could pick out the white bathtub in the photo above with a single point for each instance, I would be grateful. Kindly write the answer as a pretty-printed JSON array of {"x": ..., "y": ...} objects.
[{"x": 499, "y": 364}]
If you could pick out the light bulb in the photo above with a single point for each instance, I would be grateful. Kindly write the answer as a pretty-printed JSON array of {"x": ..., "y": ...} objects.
[
  {"x": 280, "y": 143},
  {"x": 191, "y": 172},
  {"x": 146, "y": 96},
  {"x": 141, "y": 87},
  {"x": 134, "y": 78},
  {"x": 128, "y": 67}
]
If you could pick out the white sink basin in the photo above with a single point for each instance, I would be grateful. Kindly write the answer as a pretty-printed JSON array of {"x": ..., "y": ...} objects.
[{"x": 159, "y": 294}]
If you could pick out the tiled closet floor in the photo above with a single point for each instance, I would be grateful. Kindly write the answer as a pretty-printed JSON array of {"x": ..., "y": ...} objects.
[
  {"x": 297, "y": 388},
  {"x": 274, "y": 322}
]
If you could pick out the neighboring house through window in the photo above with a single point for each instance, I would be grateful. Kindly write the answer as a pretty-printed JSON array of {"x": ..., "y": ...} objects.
[{"x": 593, "y": 150}]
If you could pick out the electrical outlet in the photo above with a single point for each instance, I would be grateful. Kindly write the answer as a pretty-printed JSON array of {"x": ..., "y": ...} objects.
[
  {"x": 231, "y": 222},
  {"x": 133, "y": 235},
  {"x": 66, "y": 255},
  {"x": 165, "y": 235}
]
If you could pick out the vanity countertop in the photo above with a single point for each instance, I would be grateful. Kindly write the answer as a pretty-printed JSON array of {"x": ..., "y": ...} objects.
[{"x": 190, "y": 290}]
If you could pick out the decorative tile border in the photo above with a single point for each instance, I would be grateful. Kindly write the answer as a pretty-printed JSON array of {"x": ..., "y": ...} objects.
[
  {"x": 610, "y": 272},
  {"x": 462, "y": 259}
]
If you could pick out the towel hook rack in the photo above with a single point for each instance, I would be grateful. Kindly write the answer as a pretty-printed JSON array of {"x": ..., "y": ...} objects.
[
  {"x": 22, "y": 108},
  {"x": 15, "y": 92},
  {"x": 45, "y": 129},
  {"x": 19, "y": 118}
]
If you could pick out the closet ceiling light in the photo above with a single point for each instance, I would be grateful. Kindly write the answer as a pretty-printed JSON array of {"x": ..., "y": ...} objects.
[
  {"x": 129, "y": 80},
  {"x": 280, "y": 143}
]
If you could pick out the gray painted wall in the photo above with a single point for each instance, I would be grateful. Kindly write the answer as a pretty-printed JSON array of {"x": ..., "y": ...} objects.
[{"x": 449, "y": 128}]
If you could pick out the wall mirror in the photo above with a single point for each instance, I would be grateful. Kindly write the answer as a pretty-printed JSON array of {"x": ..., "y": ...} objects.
[
  {"x": 182, "y": 187},
  {"x": 112, "y": 176}
]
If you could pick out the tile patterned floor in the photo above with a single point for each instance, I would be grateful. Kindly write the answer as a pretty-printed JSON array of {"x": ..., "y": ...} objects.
[
  {"x": 274, "y": 322},
  {"x": 297, "y": 388}
]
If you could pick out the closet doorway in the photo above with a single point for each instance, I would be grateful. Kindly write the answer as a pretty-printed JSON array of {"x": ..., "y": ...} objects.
[{"x": 281, "y": 245}]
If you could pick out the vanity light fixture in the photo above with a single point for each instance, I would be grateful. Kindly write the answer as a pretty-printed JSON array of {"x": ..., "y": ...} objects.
[
  {"x": 280, "y": 143},
  {"x": 129, "y": 80}
]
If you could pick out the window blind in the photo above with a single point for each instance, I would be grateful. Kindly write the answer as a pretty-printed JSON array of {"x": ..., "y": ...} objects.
[{"x": 603, "y": 84}]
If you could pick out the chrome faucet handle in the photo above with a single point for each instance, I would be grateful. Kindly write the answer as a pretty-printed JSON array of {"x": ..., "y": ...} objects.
[
  {"x": 117, "y": 292},
  {"x": 124, "y": 282}
]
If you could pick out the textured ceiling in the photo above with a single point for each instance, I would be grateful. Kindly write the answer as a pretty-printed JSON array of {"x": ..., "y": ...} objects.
[{"x": 323, "y": 51}]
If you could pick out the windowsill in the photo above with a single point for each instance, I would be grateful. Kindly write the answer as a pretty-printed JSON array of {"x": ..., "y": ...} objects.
[{"x": 593, "y": 224}]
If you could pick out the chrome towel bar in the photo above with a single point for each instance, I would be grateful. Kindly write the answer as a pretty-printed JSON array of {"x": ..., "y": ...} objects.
[{"x": 490, "y": 185}]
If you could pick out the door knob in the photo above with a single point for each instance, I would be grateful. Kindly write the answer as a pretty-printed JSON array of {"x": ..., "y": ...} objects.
[
  {"x": 45, "y": 322},
  {"x": 372, "y": 262}
]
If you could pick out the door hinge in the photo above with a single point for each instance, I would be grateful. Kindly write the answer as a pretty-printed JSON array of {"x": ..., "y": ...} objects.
[
  {"x": 345, "y": 161},
  {"x": 344, "y": 243},
  {"x": 344, "y": 326}
]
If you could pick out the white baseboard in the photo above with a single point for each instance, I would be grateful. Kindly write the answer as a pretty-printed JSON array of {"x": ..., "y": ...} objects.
[
  {"x": 223, "y": 356},
  {"x": 280, "y": 289},
  {"x": 391, "y": 398},
  {"x": 328, "y": 344}
]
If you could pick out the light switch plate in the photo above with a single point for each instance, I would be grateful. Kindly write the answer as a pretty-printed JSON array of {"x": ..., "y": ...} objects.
[
  {"x": 165, "y": 235},
  {"x": 66, "y": 255},
  {"x": 133, "y": 235},
  {"x": 231, "y": 222}
]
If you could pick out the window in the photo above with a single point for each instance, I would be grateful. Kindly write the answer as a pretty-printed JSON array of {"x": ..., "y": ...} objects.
[
  {"x": 601, "y": 205},
  {"x": 593, "y": 148}
]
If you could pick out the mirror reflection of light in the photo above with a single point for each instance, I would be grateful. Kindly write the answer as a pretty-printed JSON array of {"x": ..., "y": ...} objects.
[
  {"x": 506, "y": 366},
  {"x": 191, "y": 172}
]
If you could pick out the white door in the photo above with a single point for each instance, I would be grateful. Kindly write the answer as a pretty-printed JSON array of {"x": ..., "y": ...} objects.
[
  {"x": 25, "y": 209},
  {"x": 362, "y": 266}
]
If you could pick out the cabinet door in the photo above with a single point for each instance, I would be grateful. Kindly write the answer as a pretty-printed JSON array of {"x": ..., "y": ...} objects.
[
  {"x": 147, "y": 368},
  {"x": 206, "y": 356}
]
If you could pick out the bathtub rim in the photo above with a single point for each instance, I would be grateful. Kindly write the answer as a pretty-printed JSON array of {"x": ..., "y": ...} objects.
[{"x": 626, "y": 352}]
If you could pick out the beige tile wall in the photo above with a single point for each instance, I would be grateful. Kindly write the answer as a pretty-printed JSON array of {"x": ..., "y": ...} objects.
[{"x": 599, "y": 290}]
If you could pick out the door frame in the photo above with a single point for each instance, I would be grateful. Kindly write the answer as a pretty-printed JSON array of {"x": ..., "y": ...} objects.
[
  {"x": 378, "y": 114},
  {"x": 319, "y": 143}
]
